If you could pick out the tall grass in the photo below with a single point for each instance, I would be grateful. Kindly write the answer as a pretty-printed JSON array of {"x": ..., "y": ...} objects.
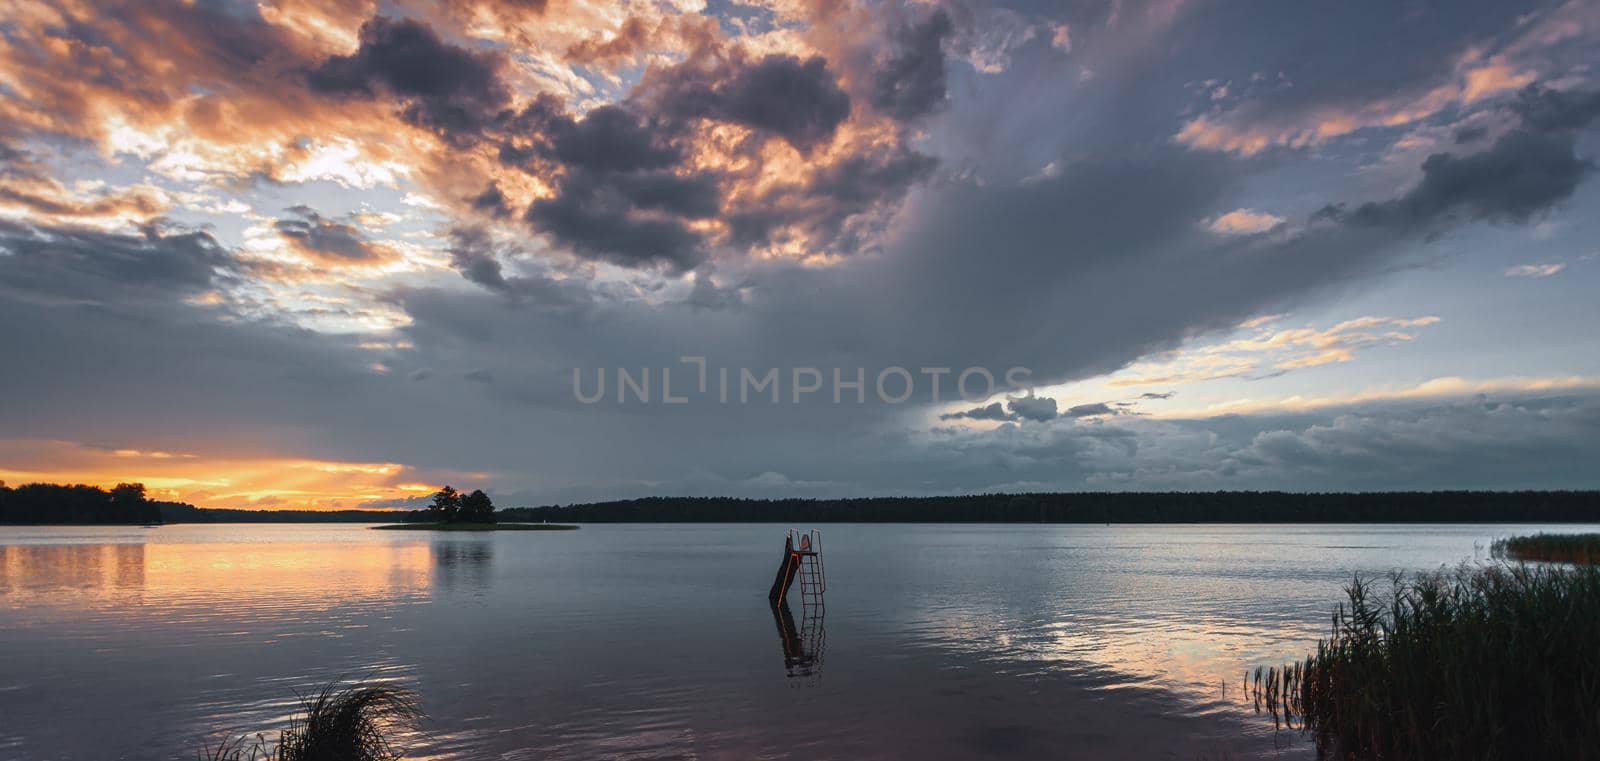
[
  {"x": 1490, "y": 662},
  {"x": 338, "y": 723},
  {"x": 1583, "y": 549}
]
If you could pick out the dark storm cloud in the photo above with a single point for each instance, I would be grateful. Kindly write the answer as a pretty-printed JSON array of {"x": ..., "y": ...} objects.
[
  {"x": 1096, "y": 409},
  {"x": 987, "y": 412},
  {"x": 1549, "y": 110},
  {"x": 70, "y": 265},
  {"x": 327, "y": 241},
  {"x": 477, "y": 257},
  {"x": 836, "y": 195},
  {"x": 627, "y": 193},
  {"x": 607, "y": 139},
  {"x": 909, "y": 80},
  {"x": 799, "y": 101},
  {"x": 1105, "y": 261},
  {"x": 491, "y": 201},
  {"x": 472, "y": 254},
  {"x": 451, "y": 90},
  {"x": 622, "y": 195},
  {"x": 1524, "y": 173},
  {"x": 596, "y": 218},
  {"x": 1470, "y": 134},
  {"x": 1037, "y": 409},
  {"x": 689, "y": 196}
]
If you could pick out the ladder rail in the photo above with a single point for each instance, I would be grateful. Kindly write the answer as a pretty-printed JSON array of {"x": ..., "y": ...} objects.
[{"x": 806, "y": 555}]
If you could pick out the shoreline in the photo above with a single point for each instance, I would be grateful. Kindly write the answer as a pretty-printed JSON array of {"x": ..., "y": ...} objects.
[{"x": 474, "y": 527}]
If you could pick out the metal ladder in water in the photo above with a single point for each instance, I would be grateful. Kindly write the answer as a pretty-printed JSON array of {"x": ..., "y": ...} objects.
[{"x": 813, "y": 582}]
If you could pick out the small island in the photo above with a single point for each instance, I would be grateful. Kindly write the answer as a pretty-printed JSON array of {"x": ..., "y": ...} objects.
[{"x": 453, "y": 511}]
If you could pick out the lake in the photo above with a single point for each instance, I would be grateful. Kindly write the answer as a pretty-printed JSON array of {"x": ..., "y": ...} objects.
[{"x": 656, "y": 641}]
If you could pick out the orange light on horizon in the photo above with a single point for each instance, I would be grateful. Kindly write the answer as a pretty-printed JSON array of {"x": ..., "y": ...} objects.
[{"x": 247, "y": 482}]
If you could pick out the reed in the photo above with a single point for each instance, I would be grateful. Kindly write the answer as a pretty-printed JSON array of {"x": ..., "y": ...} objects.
[
  {"x": 338, "y": 723},
  {"x": 1583, "y": 549},
  {"x": 1487, "y": 662}
]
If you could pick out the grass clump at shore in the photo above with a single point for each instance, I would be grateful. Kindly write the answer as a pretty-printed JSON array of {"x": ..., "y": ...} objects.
[
  {"x": 1490, "y": 662},
  {"x": 477, "y": 527},
  {"x": 338, "y": 723},
  {"x": 1583, "y": 549}
]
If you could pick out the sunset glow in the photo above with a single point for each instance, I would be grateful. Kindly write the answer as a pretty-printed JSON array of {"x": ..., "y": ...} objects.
[{"x": 325, "y": 255}]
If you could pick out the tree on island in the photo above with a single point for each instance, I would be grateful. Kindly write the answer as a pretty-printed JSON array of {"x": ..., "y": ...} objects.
[
  {"x": 446, "y": 506},
  {"x": 477, "y": 508},
  {"x": 451, "y": 506}
]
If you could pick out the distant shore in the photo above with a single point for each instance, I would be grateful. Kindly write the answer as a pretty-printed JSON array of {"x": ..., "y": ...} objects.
[
  {"x": 1527, "y": 507},
  {"x": 476, "y": 527}
]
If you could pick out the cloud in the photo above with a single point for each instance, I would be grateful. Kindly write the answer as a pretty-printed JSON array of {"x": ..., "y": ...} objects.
[
  {"x": 1523, "y": 174},
  {"x": 1535, "y": 270},
  {"x": 451, "y": 90},
  {"x": 1035, "y": 408},
  {"x": 471, "y": 252},
  {"x": 614, "y": 138},
  {"x": 909, "y": 80},
  {"x": 620, "y": 196},
  {"x": 28, "y": 191},
  {"x": 1244, "y": 222},
  {"x": 326, "y": 242},
  {"x": 993, "y": 411},
  {"x": 797, "y": 100},
  {"x": 478, "y": 257},
  {"x": 1443, "y": 388},
  {"x": 600, "y": 220},
  {"x": 839, "y": 208},
  {"x": 1301, "y": 118},
  {"x": 1267, "y": 349},
  {"x": 66, "y": 265},
  {"x": 1508, "y": 440},
  {"x": 1096, "y": 409},
  {"x": 1061, "y": 38},
  {"x": 492, "y": 201},
  {"x": 637, "y": 186}
]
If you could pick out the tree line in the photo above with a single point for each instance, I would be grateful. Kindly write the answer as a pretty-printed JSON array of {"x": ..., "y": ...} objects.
[
  {"x": 126, "y": 503},
  {"x": 1097, "y": 507},
  {"x": 76, "y": 503}
]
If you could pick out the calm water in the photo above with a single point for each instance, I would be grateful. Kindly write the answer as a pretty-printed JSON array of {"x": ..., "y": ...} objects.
[{"x": 641, "y": 642}]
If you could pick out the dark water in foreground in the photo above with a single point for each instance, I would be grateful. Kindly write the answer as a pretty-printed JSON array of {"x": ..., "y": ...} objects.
[{"x": 635, "y": 642}]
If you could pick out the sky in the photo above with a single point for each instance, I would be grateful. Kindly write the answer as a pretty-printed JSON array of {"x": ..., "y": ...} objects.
[{"x": 336, "y": 254}]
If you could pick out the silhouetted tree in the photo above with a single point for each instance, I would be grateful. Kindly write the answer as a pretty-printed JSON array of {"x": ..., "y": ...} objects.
[
  {"x": 477, "y": 508},
  {"x": 446, "y": 506},
  {"x": 59, "y": 503}
]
